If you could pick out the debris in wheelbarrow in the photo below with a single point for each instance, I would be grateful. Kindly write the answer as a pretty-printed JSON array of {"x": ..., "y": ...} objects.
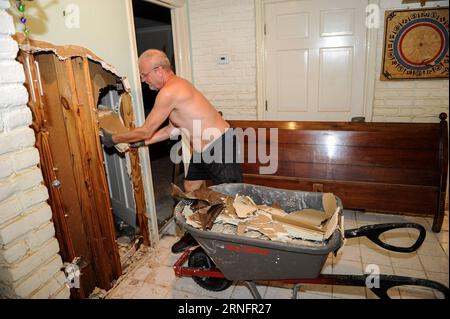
[
  {"x": 240, "y": 215},
  {"x": 224, "y": 258}
]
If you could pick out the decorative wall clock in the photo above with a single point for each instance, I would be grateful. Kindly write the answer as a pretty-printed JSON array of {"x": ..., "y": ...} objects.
[{"x": 416, "y": 44}]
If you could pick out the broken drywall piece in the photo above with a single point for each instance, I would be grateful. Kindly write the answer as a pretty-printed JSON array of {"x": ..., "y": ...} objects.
[
  {"x": 110, "y": 121},
  {"x": 271, "y": 229},
  {"x": 262, "y": 222},
  {"x": 302, "y": 233},
  {"x": 194, "y": 220},
  {"x": 329, "y": 203},
  {"x": 294, "y": 220},
  {"x": 331, "y": 225},
  {"x": 311, "y": 216},
  {"x": 203, "y": 194},
  {"x": 66, "y": 52},
  {"x": 244, "y": 206},
  {"x": 207, "y": 194},
  {"x": 206, "y": 216},
  {"x": 229, "y": 208},
  {"x": 113, "y": 124},
  {"x": 241, "y": 228},
  {"x": 227, "y": 219}
]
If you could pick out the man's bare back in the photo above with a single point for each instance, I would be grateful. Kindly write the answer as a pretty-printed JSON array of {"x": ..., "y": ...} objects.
[
  {"x": 180, "y": 102},
  {"x": 191, "y": 108}
]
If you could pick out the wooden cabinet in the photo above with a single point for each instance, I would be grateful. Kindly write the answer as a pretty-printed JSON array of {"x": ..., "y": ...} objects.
[{"x": 64, "y": 85}]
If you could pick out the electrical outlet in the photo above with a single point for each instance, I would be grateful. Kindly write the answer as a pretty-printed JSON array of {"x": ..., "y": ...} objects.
[
  {"x": 72, "y": 16},
  {"x": 223, "y": 59}
]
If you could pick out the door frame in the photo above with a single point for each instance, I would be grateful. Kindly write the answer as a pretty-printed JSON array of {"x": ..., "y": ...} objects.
[
  {"x": 181, "y": 46},
  {"x": 370, "y": 67}
]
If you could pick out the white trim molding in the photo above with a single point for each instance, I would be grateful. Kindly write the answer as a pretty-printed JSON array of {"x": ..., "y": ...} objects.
[
  {"x": 260, "y": 61},
  {"x": 181, "y": 42},
  {"x": 181, "y": 39},
  {"x": 371, "y": 60}
]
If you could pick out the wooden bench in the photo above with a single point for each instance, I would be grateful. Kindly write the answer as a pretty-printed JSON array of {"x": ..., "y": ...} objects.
[{"x": 379, "y": 167}]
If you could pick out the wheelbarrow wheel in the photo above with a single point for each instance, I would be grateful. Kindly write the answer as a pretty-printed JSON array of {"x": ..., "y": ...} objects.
[{"x": 198, "y": 258}]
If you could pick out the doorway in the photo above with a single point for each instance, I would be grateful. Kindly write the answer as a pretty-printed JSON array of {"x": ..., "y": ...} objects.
[{"x": 153, "y": 30}]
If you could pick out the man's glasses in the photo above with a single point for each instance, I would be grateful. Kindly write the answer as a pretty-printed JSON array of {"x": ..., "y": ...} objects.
[{"x": 144, "y": 75}]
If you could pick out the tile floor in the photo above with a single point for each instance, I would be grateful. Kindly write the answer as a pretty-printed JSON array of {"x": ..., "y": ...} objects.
[{"x": 152, "y": 276}]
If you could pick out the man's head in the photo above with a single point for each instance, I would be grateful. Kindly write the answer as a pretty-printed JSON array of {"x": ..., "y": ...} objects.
[{"x": 153, "y": 68}]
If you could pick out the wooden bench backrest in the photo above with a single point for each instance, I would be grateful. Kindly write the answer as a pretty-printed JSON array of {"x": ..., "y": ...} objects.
[{"x": 386, "y": 167}]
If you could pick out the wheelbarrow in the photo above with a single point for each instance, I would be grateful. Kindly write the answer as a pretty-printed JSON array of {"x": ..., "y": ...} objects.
[{"x": 221, "y": 258}]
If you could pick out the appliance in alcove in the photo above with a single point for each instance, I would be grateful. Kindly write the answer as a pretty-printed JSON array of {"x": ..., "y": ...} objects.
[{"x": 119, "y": 183}]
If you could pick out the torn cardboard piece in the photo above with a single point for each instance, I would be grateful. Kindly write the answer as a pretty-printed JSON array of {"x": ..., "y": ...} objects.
[
  {"x": 294, "y": 220},
  {"x": 205, "y": 195},
  {"x": 244, "y": 206},
  {"x": 263, "y": 223},
  {"x": 111, "y": 122}
]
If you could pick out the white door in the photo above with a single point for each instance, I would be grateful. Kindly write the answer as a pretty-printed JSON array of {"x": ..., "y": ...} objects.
[{"x": 315, "y": 59}]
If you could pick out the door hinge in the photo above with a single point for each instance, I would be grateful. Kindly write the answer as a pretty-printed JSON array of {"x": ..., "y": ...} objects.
[
  {"x": 264, "y": 29},
  {"x": 266, "y": 105}
]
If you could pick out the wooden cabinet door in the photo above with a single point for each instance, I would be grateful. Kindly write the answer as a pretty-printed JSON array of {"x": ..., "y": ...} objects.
[{"x": 72, "y": 163}]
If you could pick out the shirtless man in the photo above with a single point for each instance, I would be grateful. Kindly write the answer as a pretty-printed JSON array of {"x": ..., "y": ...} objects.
[{"x": 184, "y": 106}]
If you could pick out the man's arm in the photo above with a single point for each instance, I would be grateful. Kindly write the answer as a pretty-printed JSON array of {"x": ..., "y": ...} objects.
[
  {"x": 163, "y": 134},
  {"x": 160, "y": 112}
]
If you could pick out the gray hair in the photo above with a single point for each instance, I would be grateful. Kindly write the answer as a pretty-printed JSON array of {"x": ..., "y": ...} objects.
[{"x": 159, "y": 57}]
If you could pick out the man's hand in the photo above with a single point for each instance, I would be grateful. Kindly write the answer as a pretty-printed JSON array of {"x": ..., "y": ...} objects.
[
  {"x": 137, "y": 144},
  {"x": 106, "y": 139}
]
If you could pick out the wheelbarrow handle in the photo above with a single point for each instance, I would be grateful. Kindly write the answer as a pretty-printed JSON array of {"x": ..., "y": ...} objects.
[
  {"x": 379, "y": 284},
  {"x": 373, "y": 232}
]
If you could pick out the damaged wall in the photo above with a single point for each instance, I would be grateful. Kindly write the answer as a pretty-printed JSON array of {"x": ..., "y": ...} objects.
[
  {"x": 102, "y": 26},
  {"x": 29, "y": 261}
]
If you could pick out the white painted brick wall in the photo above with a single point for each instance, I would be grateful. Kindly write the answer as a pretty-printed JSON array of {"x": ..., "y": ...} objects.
[
  {"x": 26, "y": 222},
  {"x": 8, "y": 48},
  {"x": 225, "y": 27},
  {"x": 407, "y": 100},
  {"x": 37, "y": 281},
  {"x": 30, "y": 266},
  {"x": 228, "y": 27}
]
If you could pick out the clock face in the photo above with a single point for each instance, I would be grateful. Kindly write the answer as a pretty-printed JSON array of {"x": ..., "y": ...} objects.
[{"x": 416, "y": 44}]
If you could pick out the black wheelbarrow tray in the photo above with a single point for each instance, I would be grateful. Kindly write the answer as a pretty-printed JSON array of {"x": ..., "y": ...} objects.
[{"x": 221, "y": 258}]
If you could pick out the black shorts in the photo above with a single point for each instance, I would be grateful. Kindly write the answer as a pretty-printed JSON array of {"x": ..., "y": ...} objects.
[{"x": 218, "y": 163}]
